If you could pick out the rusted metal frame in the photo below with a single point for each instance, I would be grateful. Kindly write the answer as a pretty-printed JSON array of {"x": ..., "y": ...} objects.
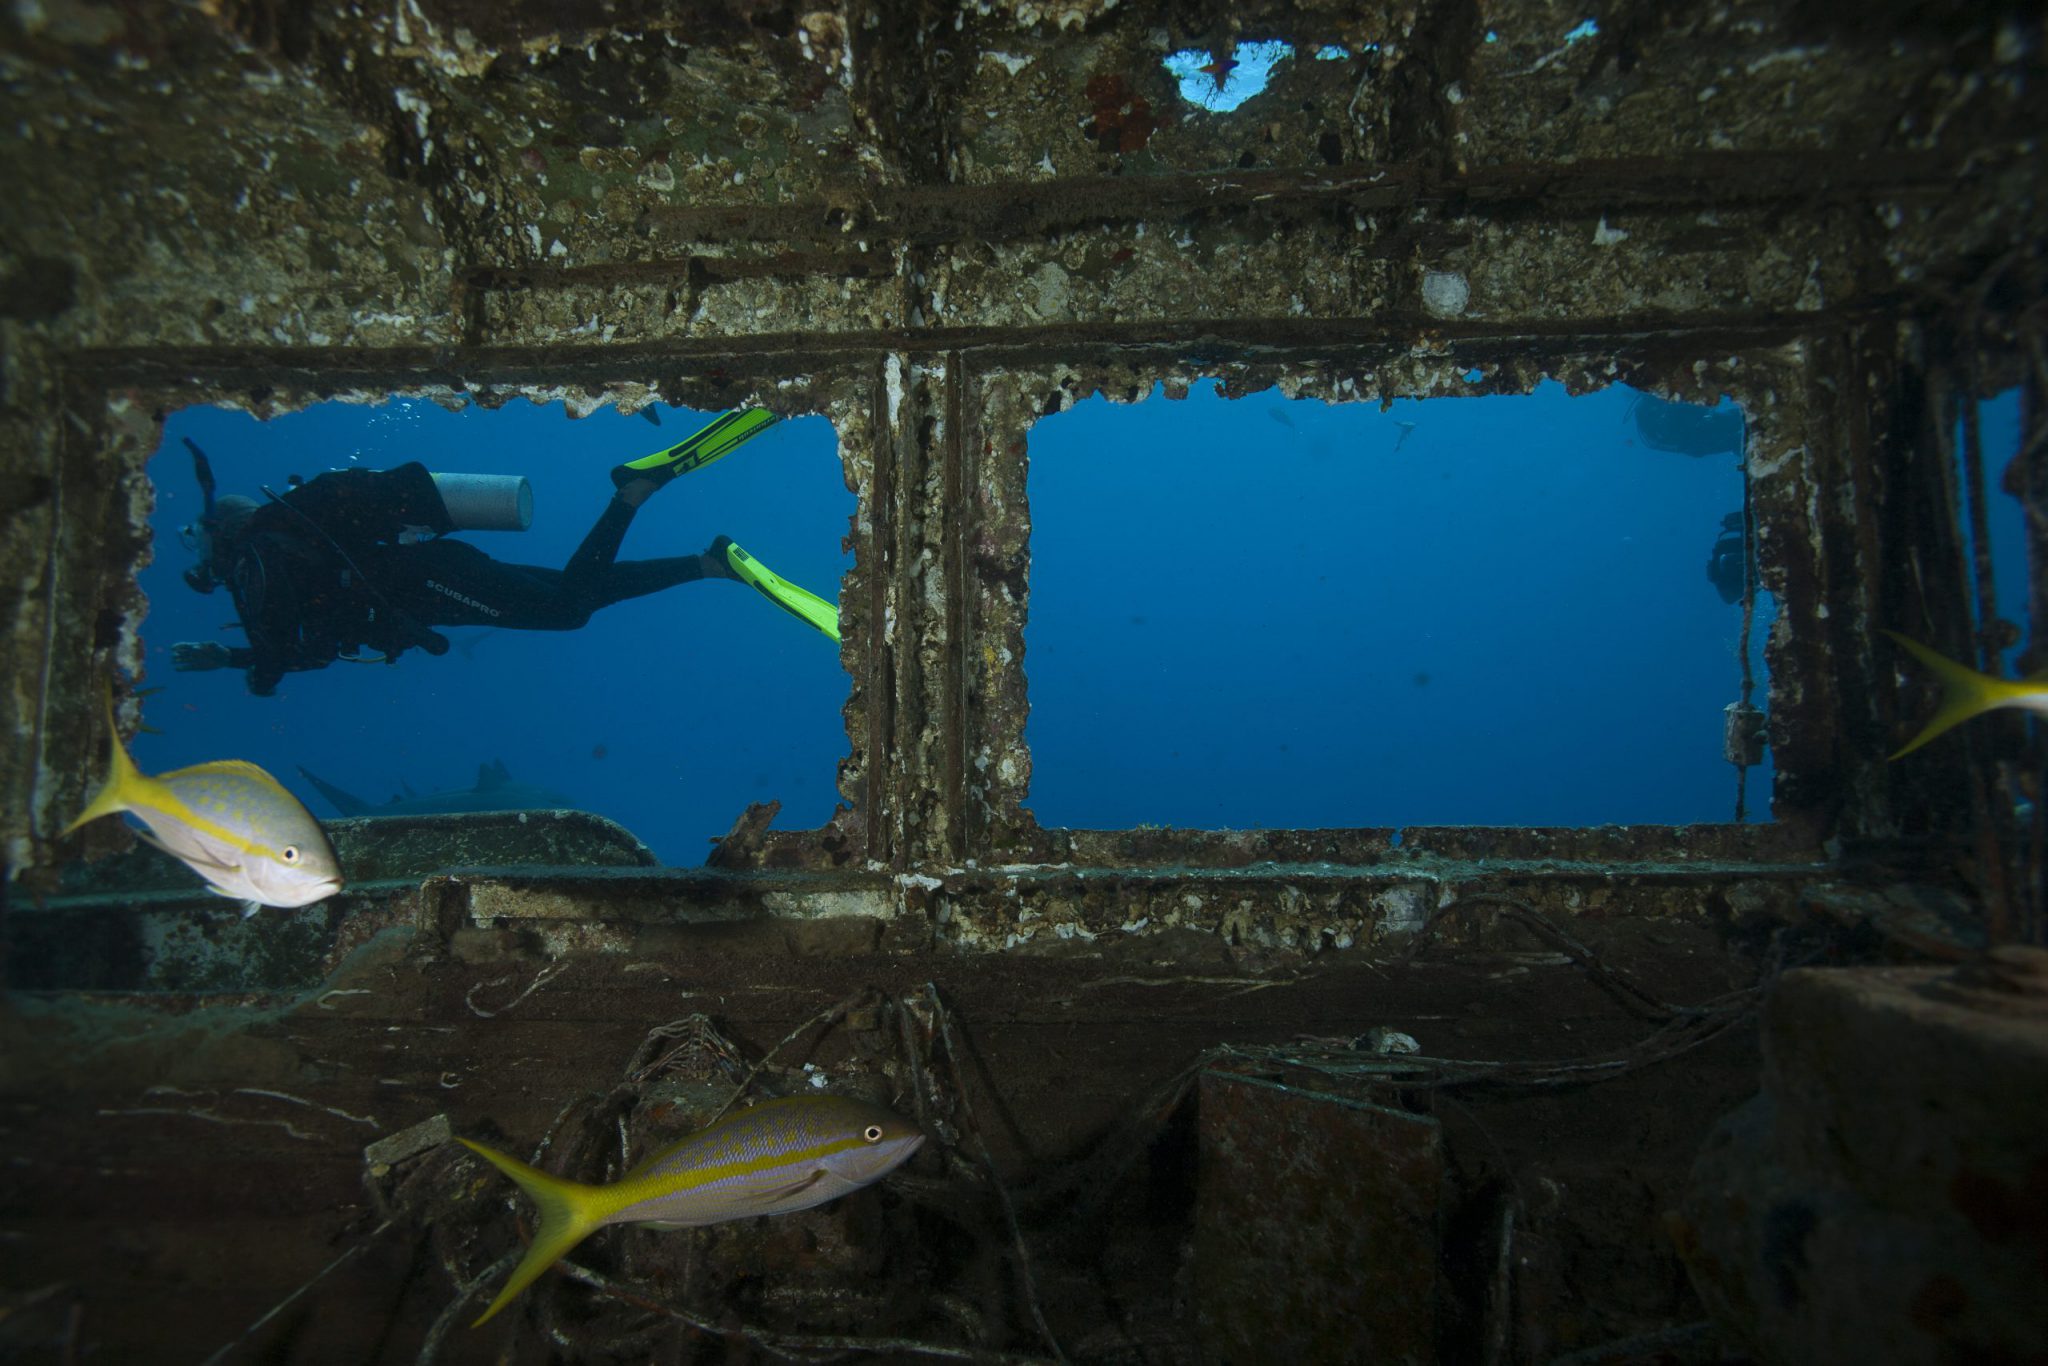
[
  {"x": 1005, "y": 830},
  {"x": 1870, "y": 396},
  {"x": 879, "y": 837},
  {"x": 928, "y": 651},
  {"x": 1789, "y": 501},
  {"x": 1792, "y": 469},
  {"x": 1972, "y": 756},
  {"x": 2027, "y": 479},
  {"x": 1945, "y": 400},
  {"x": 933, "y": 214},
  {"x": 87, "y": 507},
  {"x": 1914, "y": 579},
  {"x": 961, "y": 508},
  {"x": 2006, "y": 880},
  {"x": 910, "y": 783},
  {"x": 41, "y": 764},
  {"x": 338, "y": 369},
  {"x": 908, "y": 779},
  {"x": 692, "y": 272},
  {"x": 886, "y": 663}
]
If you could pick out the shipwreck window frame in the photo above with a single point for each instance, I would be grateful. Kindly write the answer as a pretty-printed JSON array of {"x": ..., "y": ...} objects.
[
  {"x": 112, "y": 401},
  {"x": 1769, "y": 383},
  {"x": 933, "y": 444}
]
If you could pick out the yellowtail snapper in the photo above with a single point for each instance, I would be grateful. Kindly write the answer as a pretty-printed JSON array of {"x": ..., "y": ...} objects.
[
  {"x": 778, "y": 1157},
  {"x": 1966, "y": 693},
  {"x": 229, "y": 822}
]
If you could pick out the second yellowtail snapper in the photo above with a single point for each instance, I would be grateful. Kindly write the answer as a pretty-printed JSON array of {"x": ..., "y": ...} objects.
[
  {"x": 779, "y": 1157},
  {"x": 229, "y": 822},
  {"x": 1966, "y": 693}
]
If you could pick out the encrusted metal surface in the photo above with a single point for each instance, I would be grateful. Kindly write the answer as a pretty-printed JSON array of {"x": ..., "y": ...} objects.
[
  {"x": 1328, "y": 1255},
  {"x": 1883, "y": 1196}
]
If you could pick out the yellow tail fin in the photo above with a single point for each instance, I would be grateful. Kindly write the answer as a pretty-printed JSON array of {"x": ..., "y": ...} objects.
[
  {"x": 569, "y": 1213},
  {"x": 122, "y": 774},
  {"x": 1964, "y": 692}
]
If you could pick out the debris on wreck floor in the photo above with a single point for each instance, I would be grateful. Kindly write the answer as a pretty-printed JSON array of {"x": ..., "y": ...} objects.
[
  {"x": 1154, "y": 1153},
  {"x": 1885, "y": 1197}
]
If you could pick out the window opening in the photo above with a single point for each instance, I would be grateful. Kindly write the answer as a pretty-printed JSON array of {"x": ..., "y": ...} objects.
[
  {"x": 668, "y": 713},
  {"x": 1220, "y": 82},
  {"x": 1467, "y": 610}
]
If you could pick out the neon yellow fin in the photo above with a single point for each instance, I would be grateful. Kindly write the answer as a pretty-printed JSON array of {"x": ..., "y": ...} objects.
[
  {"x": 1964, "y": 692},
  {"x": 800, "y": 603},
  {"x": 714, "y": 441},
  {"x": 569, "y": 1212}
]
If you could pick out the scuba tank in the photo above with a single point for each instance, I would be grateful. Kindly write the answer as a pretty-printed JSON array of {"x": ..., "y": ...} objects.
[{"x": 486, "y": 502}]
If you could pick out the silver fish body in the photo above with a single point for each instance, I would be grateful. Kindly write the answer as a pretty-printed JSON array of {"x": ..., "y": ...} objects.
[
  {"x": 237, "y": 827},
  {"x": 776, "y": 1158},
  {"x": 228, "y": 821}
]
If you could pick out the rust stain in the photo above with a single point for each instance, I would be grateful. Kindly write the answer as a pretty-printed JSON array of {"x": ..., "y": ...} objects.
[{"x": 1123, "y": 120}]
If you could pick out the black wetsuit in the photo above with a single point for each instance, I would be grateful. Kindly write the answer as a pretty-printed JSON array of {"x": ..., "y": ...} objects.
[{"x": 320, "y": 573}]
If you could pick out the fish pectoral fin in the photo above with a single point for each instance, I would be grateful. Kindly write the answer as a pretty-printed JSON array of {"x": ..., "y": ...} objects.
[{"x": 776, "y": 1195}]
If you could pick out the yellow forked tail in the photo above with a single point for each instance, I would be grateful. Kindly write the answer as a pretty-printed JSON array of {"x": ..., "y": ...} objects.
[
  {"x": 1964, "y": 692},
  {"x": 122, "y": 774},
  {"x": 569, "y": 1213}
]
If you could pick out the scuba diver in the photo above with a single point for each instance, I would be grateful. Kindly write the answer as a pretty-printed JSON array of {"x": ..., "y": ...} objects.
[{"x": 356, "y": 560}]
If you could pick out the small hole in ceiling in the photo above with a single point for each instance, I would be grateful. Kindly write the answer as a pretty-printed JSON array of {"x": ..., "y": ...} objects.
[{"x": 1220, "y": 84}]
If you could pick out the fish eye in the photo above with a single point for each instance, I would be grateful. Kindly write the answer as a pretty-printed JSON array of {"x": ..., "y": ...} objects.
[
  {"x": 873, "y": 1133},
  {"x": 290, "y": 853}
]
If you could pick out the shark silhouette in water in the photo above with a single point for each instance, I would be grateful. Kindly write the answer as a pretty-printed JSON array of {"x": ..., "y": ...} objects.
[{"x": 494, "y": 791}]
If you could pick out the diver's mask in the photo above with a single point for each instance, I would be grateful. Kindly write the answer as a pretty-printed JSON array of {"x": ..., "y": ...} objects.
[{"x": 212, "y": 540}]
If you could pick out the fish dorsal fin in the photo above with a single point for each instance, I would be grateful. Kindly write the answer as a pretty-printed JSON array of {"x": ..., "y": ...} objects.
[
  {"x": 226, "y": 768},
  {"x": 492, "y": 774},
  {"x": 241, "y": 767}
]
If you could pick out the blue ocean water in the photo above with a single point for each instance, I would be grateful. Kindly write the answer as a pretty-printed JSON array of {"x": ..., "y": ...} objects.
[
  {"x": 1274, "y": 613},
  {"x": 669, "y": 713}
]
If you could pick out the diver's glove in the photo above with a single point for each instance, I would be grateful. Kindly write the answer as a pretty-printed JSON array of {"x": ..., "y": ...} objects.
[{"x": 189, "y": 656}]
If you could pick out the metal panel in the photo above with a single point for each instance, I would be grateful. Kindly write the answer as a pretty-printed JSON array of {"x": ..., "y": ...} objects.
[{"x": 1315, "y": 1226}]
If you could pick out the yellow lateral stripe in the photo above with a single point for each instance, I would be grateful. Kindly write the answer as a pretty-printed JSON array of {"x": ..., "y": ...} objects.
[
  {"x": 168, "y": 804},
  {"x": 630, "y": 1192}
]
